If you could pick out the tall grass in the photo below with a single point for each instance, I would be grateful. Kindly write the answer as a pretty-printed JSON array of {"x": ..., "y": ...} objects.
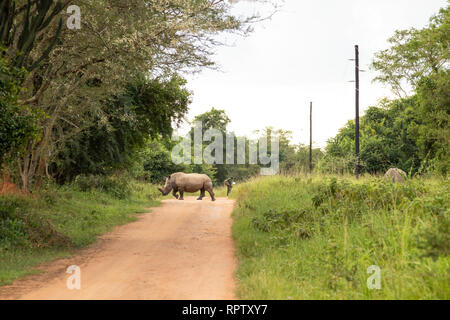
[{"x": 315, "y": 237}]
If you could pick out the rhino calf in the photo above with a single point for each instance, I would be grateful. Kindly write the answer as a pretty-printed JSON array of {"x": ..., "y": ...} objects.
[{"x": 188, "y": 182}]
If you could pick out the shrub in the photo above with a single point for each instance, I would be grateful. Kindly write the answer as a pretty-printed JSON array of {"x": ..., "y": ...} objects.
[
  {"x": 12, "y": 228},
  {"x": 434, "y": 238},
  {"x": 118, "y": 187},
  {"x": 21, "y": 227}
]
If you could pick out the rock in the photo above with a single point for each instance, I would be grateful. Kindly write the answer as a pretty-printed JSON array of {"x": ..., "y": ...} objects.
[{"x": 396, "y": 175}]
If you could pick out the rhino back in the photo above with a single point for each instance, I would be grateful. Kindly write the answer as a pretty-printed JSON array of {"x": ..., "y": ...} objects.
[{"x": 191, "y": 182}]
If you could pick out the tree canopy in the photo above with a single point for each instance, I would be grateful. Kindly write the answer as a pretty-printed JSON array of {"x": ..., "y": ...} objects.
[
  {"x": 77, "y": 76},
  {"x": 412, "y": 132},
  {"x": 415, "y": 54}
]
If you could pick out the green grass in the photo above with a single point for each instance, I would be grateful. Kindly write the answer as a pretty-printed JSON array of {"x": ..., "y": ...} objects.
[
  {"x": 221, "y": 192},
  {"x": 59, "y": 220},
  {"x": 314, "y": 238}
]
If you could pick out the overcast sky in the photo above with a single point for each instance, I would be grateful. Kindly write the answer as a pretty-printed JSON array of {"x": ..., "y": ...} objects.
[{"x": 301, "y": 55}]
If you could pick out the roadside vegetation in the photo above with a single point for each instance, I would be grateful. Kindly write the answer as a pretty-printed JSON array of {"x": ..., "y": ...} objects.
[
  {"x": 60, "y": 219},
  {"x": 85, "y": 113},
  {"x": 86, "y": 123},
  {"x": 302, "y": 236},
  {"x": 314, "y": 237}
]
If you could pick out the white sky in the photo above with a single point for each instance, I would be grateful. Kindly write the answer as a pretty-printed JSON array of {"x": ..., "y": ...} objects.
[{"x": 301, "y": 55}]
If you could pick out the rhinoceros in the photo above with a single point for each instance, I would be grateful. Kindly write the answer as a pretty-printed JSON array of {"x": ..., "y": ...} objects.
[
  {"x": 188, "y": 182},
  {"x": 396, "y": 175}
]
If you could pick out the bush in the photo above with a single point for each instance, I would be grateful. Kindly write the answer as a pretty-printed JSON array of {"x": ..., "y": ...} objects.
[
  {"x": 283, "y": 221},
  {"x": 434, "y": 239},
  {"x": 21, "y": 227},
  {"x": 337, "y": 164},
  {"x": 12, "y": 228},
  {"x": 118, "y": 187}
]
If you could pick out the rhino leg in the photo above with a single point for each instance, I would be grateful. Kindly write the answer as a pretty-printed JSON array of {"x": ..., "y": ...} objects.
[
  {"x": 202, "y": 194},
  {"x": 174, "y": 193},
  {"x": 211, "y": 193},
  {"x": 181, "y": 194}
]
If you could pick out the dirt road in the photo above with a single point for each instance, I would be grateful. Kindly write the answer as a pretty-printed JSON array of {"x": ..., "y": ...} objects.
[{"x": 181, "y": 250}]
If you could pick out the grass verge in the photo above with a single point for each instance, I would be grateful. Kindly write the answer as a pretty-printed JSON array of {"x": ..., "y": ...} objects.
[
  {"x": 315, "y": 238},
  {"x": 58, "y": 220}
]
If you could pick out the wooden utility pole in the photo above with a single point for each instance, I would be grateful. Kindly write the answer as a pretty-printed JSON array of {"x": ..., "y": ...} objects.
[
  {"x": 357, "y": 169},
  {"x": 310, "y": 138}
]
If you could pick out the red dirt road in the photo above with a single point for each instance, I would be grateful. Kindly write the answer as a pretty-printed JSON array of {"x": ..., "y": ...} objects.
[{"x": 180, "y": 250}]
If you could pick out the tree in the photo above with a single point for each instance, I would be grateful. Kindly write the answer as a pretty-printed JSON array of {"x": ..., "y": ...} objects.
[
  {"x": 213, "y": 119},
  {"x": 433, "y": 95},
  {"x": 418, "y": 125},
  {"x": 146, "y": 110},
  {"x": 298, "y": 160},
  {"x": 21, "y": 33},
  {"x": 16, "y": 125},
  {"x": 158, "y": 164},
  {"x": 387, "y": 139},
  {"x": 21, "y": 25},
  {"x": 218, "y": 120},
  {"x": 293, "y": 158},
  {"x": 415, "y": 54},
  {"x": 117, "y": 40}
]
